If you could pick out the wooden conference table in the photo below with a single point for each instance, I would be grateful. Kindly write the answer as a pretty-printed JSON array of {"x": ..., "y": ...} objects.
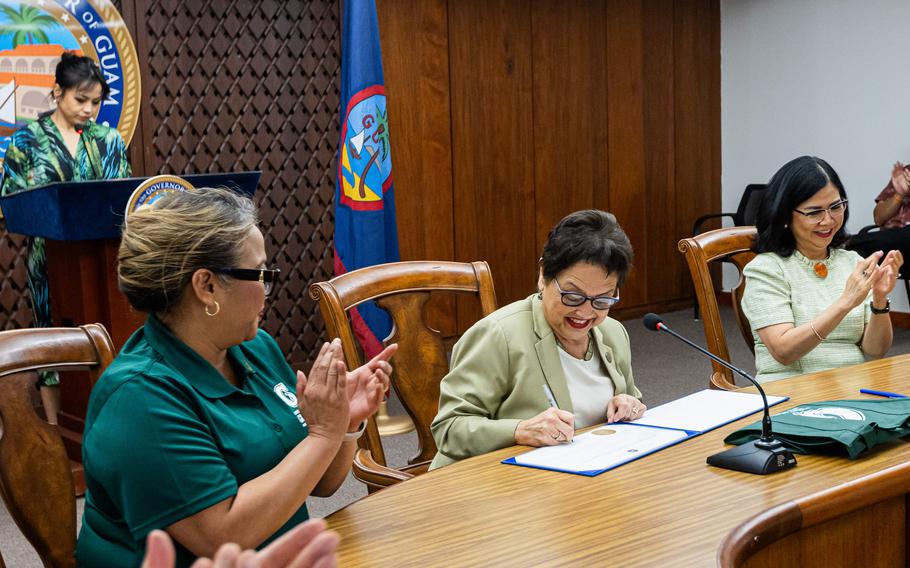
[{"x": 666, "y": 509}]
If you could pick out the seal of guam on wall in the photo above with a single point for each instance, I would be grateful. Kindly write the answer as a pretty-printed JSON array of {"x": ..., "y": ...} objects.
[{"x": 34, "y": 34}]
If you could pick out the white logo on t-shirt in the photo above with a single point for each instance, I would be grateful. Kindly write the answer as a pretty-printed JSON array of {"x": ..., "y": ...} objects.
[
  {"x": 290, "y": 399},
  {"x": 285, "y": 395},
  {"x": 833, "y": 412}
]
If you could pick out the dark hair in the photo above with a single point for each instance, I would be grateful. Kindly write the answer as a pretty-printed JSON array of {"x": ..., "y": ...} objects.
[
  {"x": 76, "y": 71},
  {"x": 587, "y": 236},
  {"x": 797, "y": 181}
]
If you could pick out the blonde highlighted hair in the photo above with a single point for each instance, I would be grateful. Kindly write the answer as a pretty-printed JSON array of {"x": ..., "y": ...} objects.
[{"x": 164, "y": 244}]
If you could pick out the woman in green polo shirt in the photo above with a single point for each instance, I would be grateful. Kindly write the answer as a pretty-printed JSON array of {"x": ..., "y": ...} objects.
[
  {"x": 812, "y": 304},
  {"x": 199, "y": 426}
]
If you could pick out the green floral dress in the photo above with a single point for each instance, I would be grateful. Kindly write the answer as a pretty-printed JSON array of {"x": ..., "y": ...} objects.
[{"x": 38, "y": 156}]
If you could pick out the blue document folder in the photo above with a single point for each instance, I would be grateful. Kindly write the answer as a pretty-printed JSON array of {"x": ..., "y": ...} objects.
[{"x": 612, "y": 445}]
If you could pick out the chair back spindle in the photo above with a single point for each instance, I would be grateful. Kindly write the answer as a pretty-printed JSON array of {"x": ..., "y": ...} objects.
[{"x": 732, "y": 245}]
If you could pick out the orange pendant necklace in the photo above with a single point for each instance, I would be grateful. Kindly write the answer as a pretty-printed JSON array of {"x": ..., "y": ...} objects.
[{"x": 821, "y": 270}]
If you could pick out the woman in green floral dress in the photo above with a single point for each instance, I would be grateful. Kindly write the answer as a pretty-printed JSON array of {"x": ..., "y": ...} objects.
[{"x": 62, "y": 145}]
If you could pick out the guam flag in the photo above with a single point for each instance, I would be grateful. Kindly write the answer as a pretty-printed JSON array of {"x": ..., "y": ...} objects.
[{"x": 365, "y": 230}]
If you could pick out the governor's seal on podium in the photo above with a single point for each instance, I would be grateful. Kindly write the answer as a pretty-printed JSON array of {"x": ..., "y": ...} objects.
[{"x": 153, "y": 189}]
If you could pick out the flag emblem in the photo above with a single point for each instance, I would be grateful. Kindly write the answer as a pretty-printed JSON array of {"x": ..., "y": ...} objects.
[
  {"x": 365, "y": 230},
  {"x": 366, "y": 162}
]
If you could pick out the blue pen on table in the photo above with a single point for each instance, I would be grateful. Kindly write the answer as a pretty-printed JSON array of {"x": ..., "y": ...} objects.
[{"x": 885, "y": 394}]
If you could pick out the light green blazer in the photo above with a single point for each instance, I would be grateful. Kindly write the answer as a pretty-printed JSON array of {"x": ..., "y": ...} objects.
[{"x": 498, "y": 370}]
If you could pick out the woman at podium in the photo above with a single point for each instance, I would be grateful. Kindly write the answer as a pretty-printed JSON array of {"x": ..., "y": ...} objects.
[{"x": 62, "y": 145}]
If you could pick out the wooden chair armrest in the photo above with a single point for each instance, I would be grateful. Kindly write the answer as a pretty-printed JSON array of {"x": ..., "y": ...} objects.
[
  {"x": 417, "y": 468},
  {"x": 374, "y": 475},
  {"x": 719, "y": 381}
]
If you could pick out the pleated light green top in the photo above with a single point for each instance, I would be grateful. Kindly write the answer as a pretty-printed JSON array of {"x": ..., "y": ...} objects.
[{"x": 787, "y": 290}]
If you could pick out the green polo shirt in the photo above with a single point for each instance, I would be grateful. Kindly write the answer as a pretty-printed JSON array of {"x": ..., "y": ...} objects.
[{"x": 166, "y": 436}]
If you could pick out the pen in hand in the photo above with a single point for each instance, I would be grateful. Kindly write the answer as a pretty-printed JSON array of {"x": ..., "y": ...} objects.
[{"x": 552, "y": 400}]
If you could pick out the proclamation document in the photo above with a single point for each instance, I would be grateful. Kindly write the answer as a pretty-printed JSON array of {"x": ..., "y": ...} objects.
[
  {"x": 705, "y": 410},
  {"x": 602, "y": 448},
  {"x": 612, "y": 445}
]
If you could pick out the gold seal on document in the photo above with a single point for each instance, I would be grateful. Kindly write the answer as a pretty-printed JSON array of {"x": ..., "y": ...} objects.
[{"x": 604, "y": 432}]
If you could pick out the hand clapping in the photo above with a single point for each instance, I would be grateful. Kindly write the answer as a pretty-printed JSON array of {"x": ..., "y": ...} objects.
[
  {"x": 890, "y": 270},
  {"x": 322, "y": 397},
  {"x": 308, "y": 545},
  {"x": 367, "y": 385},
  {"x": 869, "y": 275}
]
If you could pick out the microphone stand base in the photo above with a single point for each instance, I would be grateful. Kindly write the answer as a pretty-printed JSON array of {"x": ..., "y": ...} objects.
[{"x": 754, "y": 457}]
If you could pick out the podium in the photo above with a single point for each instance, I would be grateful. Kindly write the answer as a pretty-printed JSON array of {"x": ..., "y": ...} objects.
[{"x": 81, "y": 223}]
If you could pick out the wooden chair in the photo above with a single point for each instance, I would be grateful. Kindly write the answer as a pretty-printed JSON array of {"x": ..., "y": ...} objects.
[
  {"x": 733, "y": 245},
  {"x": 402, "y": 289},
  {"x": 35, "y": 479},
  {"x": 822, "y": 529}
]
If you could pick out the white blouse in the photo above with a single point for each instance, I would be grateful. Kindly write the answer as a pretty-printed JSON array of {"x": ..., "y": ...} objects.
[{"x": 590, "y": 388}]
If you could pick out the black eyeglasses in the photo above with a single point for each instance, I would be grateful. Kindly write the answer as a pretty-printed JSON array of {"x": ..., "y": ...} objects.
[
  {"x": 265, "y": 276},
  {"x": 575, "y": 299},
  {"x": 836, "y": 210}
]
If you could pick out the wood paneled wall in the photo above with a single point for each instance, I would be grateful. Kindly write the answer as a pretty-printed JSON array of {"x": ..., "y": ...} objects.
[
  {"x": 505, "y": 116},
  {"x": 508, "y": 114}
]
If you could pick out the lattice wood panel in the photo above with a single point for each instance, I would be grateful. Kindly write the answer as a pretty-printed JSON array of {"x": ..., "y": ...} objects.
[
  {"x": 15, "y": 311},
  {"x": 240, "y": 85},
  {"x": 254, "y": 85}
]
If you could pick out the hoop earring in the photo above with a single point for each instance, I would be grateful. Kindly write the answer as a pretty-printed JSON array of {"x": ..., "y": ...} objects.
[{"x": 217, "y": 309}]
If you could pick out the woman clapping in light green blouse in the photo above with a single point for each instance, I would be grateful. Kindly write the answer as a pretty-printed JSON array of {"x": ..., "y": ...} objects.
[{"x": 813, "y": 305}]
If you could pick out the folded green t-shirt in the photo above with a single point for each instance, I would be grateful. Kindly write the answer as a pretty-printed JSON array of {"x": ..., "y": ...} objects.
[{"x": 848, "y": 427}]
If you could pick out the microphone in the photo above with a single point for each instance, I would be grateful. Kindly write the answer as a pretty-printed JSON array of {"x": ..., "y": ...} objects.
[
  {"x": 762, "y": 456},
  {"x": 79, "y": 128}
]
